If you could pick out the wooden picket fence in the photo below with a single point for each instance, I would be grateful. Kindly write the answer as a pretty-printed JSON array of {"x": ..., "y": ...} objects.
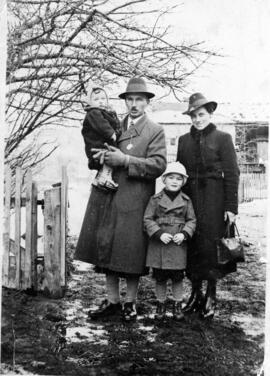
[
  {"x": 19, "y": 264},
  {"x": 252, "y": 186}
]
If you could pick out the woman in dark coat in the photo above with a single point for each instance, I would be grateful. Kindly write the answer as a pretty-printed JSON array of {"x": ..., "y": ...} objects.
[{"x": 210, "y": 159}]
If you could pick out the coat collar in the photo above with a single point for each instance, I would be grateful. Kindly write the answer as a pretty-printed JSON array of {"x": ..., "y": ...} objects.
[
  {"x": 210, "y": 128},
  {"x": 168, "y": 204},
  {"x": 132, "y": 131}
]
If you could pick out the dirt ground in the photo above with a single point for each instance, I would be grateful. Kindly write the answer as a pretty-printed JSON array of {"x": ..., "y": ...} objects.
[{"x": 55, "y": 337}]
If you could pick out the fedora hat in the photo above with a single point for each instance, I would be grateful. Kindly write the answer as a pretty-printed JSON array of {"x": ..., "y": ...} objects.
[
  {"x": 136, "y": 85},
  {"x": 196, "y": 101}
]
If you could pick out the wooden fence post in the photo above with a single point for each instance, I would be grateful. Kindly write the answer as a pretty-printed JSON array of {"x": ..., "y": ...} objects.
[
  {"x": 64, "y": 203},
  {"x": 52, "y": 243},
  {"x": 6, "y": 228},
  {"x": 34, "y": 240},
  {"x": 30, "y": 275},
  {"x": 19, "y": 273}
]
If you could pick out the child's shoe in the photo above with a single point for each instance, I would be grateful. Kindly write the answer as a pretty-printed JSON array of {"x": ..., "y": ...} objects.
[
  {"x": 111, "y": 185},
  {"x": 160, "y": 311},
  {"x": 177, "y": 311},
  {"x": 129, "y": 312}
]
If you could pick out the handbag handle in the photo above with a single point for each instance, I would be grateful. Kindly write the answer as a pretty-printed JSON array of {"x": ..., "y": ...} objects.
[{"x": 227, "y": 231}]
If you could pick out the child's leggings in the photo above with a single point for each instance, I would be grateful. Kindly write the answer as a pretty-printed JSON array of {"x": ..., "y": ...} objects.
[{"x": 177, "y": 290}]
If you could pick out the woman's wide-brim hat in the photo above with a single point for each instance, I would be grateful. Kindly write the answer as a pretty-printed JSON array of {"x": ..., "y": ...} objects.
[
  {"x": 196, "y": 101},
  {"x": 136, "y": 85}
]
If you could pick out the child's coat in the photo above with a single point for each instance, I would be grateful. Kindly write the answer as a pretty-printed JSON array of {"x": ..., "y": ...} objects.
[{"x": 171, "y": 217}]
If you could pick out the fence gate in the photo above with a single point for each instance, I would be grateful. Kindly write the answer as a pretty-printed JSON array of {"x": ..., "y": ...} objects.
[{"x": 20, "y": 264}]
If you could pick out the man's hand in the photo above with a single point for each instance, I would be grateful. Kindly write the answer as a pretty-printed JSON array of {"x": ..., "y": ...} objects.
[
  {"x": 230, "y": 216},
  {"x": 166, "y": 238},
  {"x": 114, "y": 157},
  {"x": 179, "y": 238},
  {"x": 99, "y": 154}
]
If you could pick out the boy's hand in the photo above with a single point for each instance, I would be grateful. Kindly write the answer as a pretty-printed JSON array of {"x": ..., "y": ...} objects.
[
  {"x": 178, "y": 238},
  {"x": 166, "y": 238}
]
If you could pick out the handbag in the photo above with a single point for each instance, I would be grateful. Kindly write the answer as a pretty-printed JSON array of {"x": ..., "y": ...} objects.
[{"x": 230, "y": 248}]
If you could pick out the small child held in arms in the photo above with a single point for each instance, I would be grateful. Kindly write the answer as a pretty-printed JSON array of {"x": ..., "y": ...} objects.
[
  {"x": 100, "y": 126},
  {"x": 169, "y": 220}
]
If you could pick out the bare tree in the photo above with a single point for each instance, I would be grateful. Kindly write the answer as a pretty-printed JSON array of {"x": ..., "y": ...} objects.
[{"x": 56, "y": 46}]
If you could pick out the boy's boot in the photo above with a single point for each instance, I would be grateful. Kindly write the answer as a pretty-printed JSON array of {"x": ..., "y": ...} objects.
[
  {"x": 129, "y": 312},
  {"x": 177, "y": 311},
  {"x": 160, "y": 310},
  {"x": 210, "y": 300},
  {"x": 195, "y": 302}
]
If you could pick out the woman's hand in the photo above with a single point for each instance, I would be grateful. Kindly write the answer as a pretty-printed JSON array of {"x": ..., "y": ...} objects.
[
  {"x": 179, "y": 238},
  {"x": 231, "y": 217},
  {"x": 166, "y": 238}
]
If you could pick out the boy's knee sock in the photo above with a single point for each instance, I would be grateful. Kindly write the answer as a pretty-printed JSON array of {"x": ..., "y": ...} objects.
[
  {"x": 177, "y": 290},
  {"x": 161, "y": 291},
  {"x": 112, "y": 284},
  {"x": 132, "y": 288}
]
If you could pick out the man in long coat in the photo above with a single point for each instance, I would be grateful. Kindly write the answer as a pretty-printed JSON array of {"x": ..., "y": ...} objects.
[{"x": 112, "y": 236}]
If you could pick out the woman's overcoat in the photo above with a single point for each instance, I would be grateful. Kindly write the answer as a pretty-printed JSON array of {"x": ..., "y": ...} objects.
[
  {"x": 210, "y": 159},
  {"x": 112, "y": 235},
  {"x": 172, "y": 217}
]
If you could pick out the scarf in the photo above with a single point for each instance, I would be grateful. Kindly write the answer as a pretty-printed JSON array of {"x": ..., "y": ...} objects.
[
  {"x": 171, "y": 194},
  {"x": 198, "y": 135}
]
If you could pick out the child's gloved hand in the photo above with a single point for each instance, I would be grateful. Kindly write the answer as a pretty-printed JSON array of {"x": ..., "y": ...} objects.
[
  {"x": 166, "y": 238},
  {"x": 178, "y": 238}
]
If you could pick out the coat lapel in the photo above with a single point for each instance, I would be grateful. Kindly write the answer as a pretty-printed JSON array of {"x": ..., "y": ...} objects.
[
  {"x": 169, "y": 205},
  {"x": 132, "y": 131}
]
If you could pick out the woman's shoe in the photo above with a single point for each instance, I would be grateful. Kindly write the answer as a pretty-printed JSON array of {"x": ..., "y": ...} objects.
[
  {"x": 105, "y": 309},
  {"x": 129, "y": 312},
  {"x": 210, "y": 300},
  {"x": 160, "y": 311},
  {"x": 177, "y": 311},
  {"x": 209, "y": 309},
  {"x": 195, "y": 302}
]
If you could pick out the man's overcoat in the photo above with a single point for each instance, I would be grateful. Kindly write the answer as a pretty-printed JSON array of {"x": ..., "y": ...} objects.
[
  {"x": 172, "y": 217},
  {"x": 112, "y": 235},
  {"x": 211, "y": 163}
]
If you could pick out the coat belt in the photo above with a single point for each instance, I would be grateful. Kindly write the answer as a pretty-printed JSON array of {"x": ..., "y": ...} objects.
[{"x": 170, "y": 221}]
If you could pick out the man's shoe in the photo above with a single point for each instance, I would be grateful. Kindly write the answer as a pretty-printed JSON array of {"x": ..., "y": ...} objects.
[
  {"x": 160, "y": 311},
  {"x": 129, "y": 312},
  {"x": 105, "y": 309}
]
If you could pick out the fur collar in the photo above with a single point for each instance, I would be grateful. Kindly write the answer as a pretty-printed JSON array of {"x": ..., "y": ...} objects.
[{"x": 210, "y": 128}]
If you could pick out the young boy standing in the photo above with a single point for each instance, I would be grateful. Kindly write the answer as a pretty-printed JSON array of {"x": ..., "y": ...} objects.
[{"x": 169, "y": 220}]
